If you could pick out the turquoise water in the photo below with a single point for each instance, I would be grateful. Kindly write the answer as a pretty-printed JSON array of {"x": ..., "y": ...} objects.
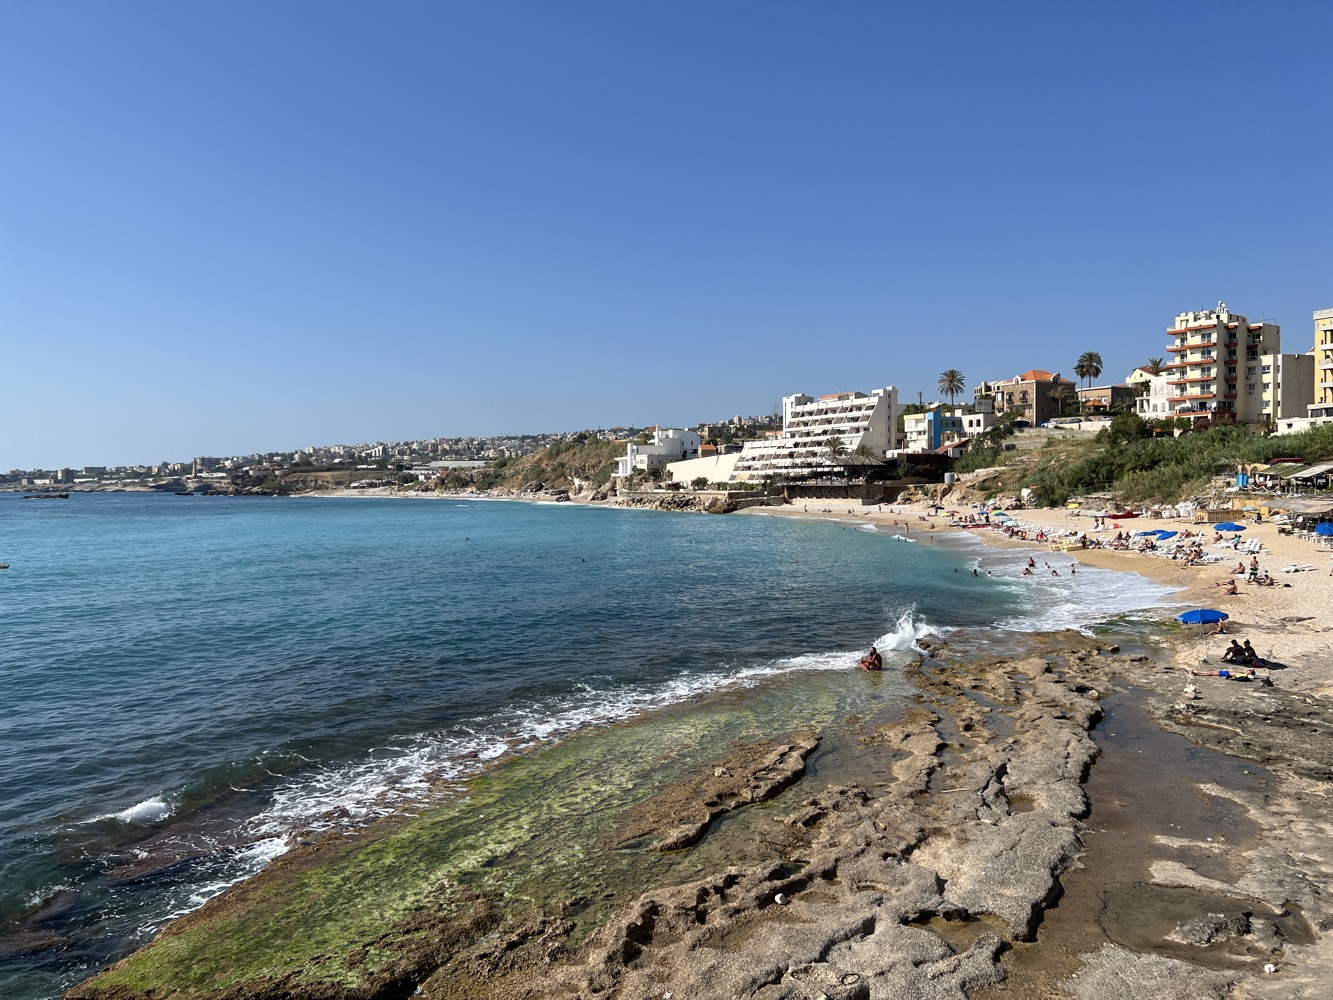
[{"x": 193, "y": 682}]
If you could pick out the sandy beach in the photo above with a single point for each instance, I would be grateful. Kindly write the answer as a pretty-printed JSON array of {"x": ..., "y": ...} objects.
[{"x": 1287, "y": 622}]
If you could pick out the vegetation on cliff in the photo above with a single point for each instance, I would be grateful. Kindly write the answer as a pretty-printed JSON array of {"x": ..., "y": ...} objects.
[{"x": 1128, "y": 462}]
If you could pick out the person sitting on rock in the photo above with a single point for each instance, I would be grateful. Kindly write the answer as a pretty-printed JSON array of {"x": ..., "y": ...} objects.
[
  {"x": 1235, "y": 653},
  {"x": 872, "y": 660}
]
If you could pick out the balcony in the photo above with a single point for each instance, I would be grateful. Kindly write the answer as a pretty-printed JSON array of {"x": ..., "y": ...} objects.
[
  {"x": 1186, "y": 399},
  {"x": 1190, "y": 346}
]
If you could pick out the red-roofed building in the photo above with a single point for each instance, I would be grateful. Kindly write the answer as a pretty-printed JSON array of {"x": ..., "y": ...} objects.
[{"x": 1032, "y": 395}]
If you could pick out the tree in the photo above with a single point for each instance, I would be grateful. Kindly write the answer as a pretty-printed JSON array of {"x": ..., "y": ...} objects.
[
  {"x": 699, "y": 482},
  {"x": 1061, "y": 394},
  {"x": 864, "y": 454},
  {"x": 1127, "y": 427},
  {"x": 952, "y": 383},
  {"x": 1156, "y": 366},
  {"x": 1088, "y": 366},
  {"x": 835, "y": 446}
]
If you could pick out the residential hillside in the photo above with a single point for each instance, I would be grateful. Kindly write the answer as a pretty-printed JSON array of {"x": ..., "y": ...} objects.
[{"x": 579, "y": 466}]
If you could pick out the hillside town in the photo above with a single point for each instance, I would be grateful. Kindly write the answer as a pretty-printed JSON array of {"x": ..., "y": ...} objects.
[{"x": 1216, "y": 368}]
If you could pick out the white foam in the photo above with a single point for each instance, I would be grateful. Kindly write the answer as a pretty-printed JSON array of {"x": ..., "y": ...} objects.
[
  {"x": 152, "y": 810},
  {"x": 384, "y": 781}
]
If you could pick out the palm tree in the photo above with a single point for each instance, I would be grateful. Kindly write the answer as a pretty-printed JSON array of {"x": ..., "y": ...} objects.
[
  {"x": 1155, "y": 366},
  {"x": 1061, "y": 394},
  {"x": 1088, "y": 366},
  {"x": 952, "y": 383},
  {"x": 835, "y": 446}
]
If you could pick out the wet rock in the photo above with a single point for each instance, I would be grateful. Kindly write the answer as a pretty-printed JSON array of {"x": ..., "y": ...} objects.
[{"x": 1209, "y": 927}]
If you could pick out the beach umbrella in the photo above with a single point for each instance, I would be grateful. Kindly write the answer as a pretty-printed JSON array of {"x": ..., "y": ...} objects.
[
  {"x": 1164, "y": 535},
  {"x": 1228, "y": 526},
  {"x": 1324, "y": 528},
  {"x": 1202, "y": 616}
]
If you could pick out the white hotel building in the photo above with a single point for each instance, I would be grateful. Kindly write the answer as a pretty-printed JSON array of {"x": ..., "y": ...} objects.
[{"x": 808, "y": 424}]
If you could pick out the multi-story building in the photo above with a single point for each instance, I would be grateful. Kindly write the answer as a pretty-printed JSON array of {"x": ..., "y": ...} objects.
[
  {"x": 1152, "y": 393},
  {"x": 1034, "y": 396},
  {"x": 810, "y": 426},
  {"x": 1323, "y": 359},
  {"x": 1285, "y": 386},
  {"x": 1215, "y": 369},
  {"x": 665, "y": 447},
  {"x": 1107, "y": 398},
  {"x": 938, "y": 427}
]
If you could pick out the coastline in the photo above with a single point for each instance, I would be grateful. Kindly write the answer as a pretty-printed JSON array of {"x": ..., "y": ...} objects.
[
  {"x": 1285, "y": 622},
  {"x": 1011, "y": 735}
]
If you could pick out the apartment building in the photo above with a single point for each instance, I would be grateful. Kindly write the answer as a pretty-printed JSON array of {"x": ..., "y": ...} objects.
[
  {"x": 1215, "y": 367},
  {"x": 1285, "y": 386},
  {"x": 938, "y": 427},
  {"x": 854, "y": 419},
  {"x": 1323, "y": 359}
]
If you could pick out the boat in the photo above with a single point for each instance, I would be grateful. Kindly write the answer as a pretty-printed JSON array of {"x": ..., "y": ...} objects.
[{"x": 46, "y": 496}]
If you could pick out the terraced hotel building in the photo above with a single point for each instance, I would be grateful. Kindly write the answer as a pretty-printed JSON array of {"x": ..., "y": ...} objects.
[{"x": 808, "y": 424}]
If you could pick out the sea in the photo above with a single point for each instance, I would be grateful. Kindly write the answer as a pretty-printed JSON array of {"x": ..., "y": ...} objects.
[{"x": 191, "y": 684}]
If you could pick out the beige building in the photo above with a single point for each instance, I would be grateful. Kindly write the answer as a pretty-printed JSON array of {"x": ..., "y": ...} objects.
[
  {"x": 1285, "y": 385},
  {"x": 1319, "y": 410},
  {"x": 1323, "y": 362},
  {"x": 1215, "y": 370},
  {"x": 1032, "y": 396}
]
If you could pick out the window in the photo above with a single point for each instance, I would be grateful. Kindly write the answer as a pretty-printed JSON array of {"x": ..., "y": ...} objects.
[
  {"x": 1250, "y": 372},
  {"x": 1249, "y": 389},
  {"x": 1268, "y": 369}
]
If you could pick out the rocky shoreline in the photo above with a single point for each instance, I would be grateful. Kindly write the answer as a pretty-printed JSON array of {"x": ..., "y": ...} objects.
[{"x": 918, "y": 885}]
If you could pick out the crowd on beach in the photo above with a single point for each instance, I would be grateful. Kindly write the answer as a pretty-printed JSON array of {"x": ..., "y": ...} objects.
[{"x": 1264, "y": 576}]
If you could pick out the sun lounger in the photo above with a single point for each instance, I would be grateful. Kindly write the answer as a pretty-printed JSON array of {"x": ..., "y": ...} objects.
[{"x": 1293, "y": 568}]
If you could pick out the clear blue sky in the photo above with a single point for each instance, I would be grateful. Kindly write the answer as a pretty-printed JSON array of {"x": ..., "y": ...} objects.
[{"x": 230, "y": 227}]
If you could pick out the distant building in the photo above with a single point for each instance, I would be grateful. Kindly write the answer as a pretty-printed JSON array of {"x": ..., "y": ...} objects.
[
  {"x": 665, "y": 447},
  {"x": 1033, "y": 396},
  {"x": 1152, "y": 393},
  {"x": 1320, "y": 410},
  {"x": 1285, "y": 386},
  {"x": 1115, "y": 398},
  {"x": 1215, "y": 369},
  {"x": 809, "y": 426},
  {"x": 941, "y": 426}
]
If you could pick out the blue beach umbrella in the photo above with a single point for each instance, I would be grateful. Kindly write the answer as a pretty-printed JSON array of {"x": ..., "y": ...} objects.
[
  {"x": 1324, "y": 528},
  {"x": 1163, "y": 536},
  {"x": 1228, "y": 526},
  {"x": 1153, "y": 531},
  {"x": 1202, "y": 616}
]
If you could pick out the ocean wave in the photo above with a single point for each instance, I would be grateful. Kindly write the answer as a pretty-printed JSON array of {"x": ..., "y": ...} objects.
[
  {"x": 352, "y": 793},
  {"x": 149, "y": 811}
]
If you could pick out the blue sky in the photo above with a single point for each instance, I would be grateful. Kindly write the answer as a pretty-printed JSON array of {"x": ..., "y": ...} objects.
[{"x": 231, "y": 227}]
